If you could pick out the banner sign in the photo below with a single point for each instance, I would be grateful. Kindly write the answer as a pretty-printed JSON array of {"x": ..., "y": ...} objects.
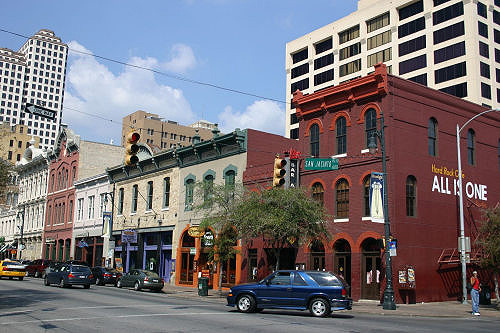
[
  {"x": 106, "y": 224},
  {"x": 82, "y": 243},
  {"x": 376, "y": 197},
  {"x": 293, "y": 173},
  {"x": 321, "y": 164},
  {"x": 129, "y": 236}
]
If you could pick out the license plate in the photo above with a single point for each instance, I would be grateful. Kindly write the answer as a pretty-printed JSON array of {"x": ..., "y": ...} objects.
[
  {"x": 114, "y": 275},
  {"x": 82, "y": 276},
  {"x": 156, "y": 280}
]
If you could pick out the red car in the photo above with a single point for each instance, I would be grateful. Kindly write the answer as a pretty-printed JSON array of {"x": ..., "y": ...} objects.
[{"x": 37, "y": 267}]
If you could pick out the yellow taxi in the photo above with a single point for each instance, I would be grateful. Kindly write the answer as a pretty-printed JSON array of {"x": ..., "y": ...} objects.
[{"x": 11, "y": 269}]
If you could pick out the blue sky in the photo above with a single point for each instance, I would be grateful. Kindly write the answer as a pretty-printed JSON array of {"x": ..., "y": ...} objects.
[{"x": 237, "y": 44}]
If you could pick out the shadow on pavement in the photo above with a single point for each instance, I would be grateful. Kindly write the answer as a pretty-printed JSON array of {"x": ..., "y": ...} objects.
[
  {"x": 15, "y": 298},
  {"x": 296, "y": 314}
]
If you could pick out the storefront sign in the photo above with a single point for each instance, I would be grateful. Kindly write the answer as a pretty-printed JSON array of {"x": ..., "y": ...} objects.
[
  {"x": 50, "y": 241},
  {"x": 293, "y": 173},
  {"x": 192, "y": 250},
  {"x": 118, "y": 264},
  {"x": 129, "y": 236},
  {"x": 446, "y": 182},
  {"x": 321, "y": 164},
  {"x": 208, "y": 239},
  {"x": 195, "y": 232},
  {"x": 376, "y": 197}
]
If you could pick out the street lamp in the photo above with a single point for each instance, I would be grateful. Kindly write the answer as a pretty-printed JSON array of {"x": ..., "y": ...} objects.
[
  {"x": 20, "y": 246},
  {"x": 461, "y": 203},
  {"x": 389, "y": 303}
]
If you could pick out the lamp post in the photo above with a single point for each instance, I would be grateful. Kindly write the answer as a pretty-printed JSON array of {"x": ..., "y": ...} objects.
[
  {"x": 21, "y": 231},
  {"x": 461, "y": 207},
  {"x": 110, "y": 238},
  {"x": 389, "y": 303}
]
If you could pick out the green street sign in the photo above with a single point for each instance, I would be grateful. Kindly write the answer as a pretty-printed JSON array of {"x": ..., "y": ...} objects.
[{"x": 321, "y": 164}]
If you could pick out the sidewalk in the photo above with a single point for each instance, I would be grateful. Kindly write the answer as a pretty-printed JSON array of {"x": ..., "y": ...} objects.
[{"x": 450, "y": 309}]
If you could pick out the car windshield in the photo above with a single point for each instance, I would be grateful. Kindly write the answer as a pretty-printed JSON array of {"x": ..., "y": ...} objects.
[
  {"x": 80, "y": 269},
  {"x": 111, "y": 270},
  {"x": 325, "y": 279},
  {"x": 151, "y": 274},
  {"x": 11, "y": 263}
]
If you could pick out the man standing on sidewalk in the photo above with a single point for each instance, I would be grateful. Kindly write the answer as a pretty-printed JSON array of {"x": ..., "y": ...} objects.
[{"x": 474, "y": 293}]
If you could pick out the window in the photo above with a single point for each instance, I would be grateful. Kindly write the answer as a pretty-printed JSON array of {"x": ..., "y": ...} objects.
[
  {"x": 411, "y": 10},
  {"x": 439, "y": 2},
  {"x": 294, "y": 133},
  {"x": 299, "y": 56},
  {"x": 481, "y": 10},
  {"x": 411, "y": 196},
  {"x": 497, "y": 55},
  {"x": 189, "y": 194},
  {"x": 350, "y": 67},
  {"x": 412, "y": 46},
  {"x": 496, "y": 17},
  {"x": 349, "y": 34},
  {"x": 149, "y": 200},
  {"x": 323, "y": 61},
  {"x": 448, "y": 13},
  {"x": 459, "y": 90},
  {"x": 323, "y": 46},
  {"x": 412, "y": 64},
  {"x": 496, "y": 36},
  {"x": 229, "y": 179},
  {"x": 484, "y": 50},
  {"x": 450, "y": 32},
  {"x": 485, "y": 90},
  {"x": 422, "y": 79},
  {"x": 350, "y": 51},
  {"x": 300, "y": 70},
  {"x": 484, "y": 69},
  {"x": 120, "y": 201},
  {"x": 341, "y": 129},
  {"x": 381, "y": 56},
  {"x": 293, "y": 118},
  {"x": 450, "y": 72},
  {"x": 471, "y": 143},
  {"x": 377, "y": 22},
  {"x": 342, "y": 199},
  {"x": 91, "y": 207},
  {"x": 449, "y": 52},
  {"x": 377, "y": 40},
  {"x": 102, "y": 199},
  {"x": 70, "y": 212},
  {"x": 370, "y": 124},
  {"x": 135, "y": 193},
  {"x": 432, "y": 136},
  {"x": 166, "y": 192},
  {"x": 208, "y": 187},
  {"x": 314, "y": 135},
  {"x": 323, "y": 77},
  {"x": 366, "y": 196},
  {"x": 300, "y": 85},
  {"x": 318, "y": 193},
  {"x": 49, "y": 215},
  {"x": 79, "y": 211},
  {"x": 483, "y": 30}
]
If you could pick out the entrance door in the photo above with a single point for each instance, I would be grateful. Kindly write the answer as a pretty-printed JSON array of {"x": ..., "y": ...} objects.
[
  {"x": 187, "y": 261},
  {"x": 166, "y": 260},
  {"x": 371, "y": 276}
]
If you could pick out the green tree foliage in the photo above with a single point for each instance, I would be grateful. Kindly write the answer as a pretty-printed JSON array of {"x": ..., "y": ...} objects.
[
  {"x": 490, "y": 242},
  {"x": 281, "y": 217}
]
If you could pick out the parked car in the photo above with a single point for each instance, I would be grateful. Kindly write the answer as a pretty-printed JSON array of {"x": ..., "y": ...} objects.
[
  {"x": 104, "y": 275},
  {"x": 37, "y": 267},
  {"x": 69, "y": 275},
  {"x": 320, "y": 292},
  {"x": 54, "y": 265},
  {"x": 141, "y": 279},
  {"x": 12, "y": 269}
]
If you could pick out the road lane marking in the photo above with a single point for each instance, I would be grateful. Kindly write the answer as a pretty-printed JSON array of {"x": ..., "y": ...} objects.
[{"x": 132, "y": 306}]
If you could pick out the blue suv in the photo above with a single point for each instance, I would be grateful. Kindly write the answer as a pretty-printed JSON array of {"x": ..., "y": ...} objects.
[{"x": 320, "y": 292}]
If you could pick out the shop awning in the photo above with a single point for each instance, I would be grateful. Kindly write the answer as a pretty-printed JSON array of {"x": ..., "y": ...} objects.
[{"x": 7, "y": 246}]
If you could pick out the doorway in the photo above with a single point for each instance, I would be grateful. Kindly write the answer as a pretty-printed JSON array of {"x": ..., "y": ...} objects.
[
  {"x": 317, "y": 256},
  {"x": 342, "y": 259},
  {"x": 371, "y": 269}
]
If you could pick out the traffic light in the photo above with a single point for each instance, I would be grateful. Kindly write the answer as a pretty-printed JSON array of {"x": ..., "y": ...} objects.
[
  {"x": 279, "y": 171},
  {"x": 132, "y": 148}
]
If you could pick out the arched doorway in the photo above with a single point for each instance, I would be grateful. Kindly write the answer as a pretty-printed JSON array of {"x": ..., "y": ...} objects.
[
  {"x": 371, "y": 269},
  {"x": 187, "y": 259},
  {"x": 342, "y": 259},
  {"x": 317, "y": 256}
]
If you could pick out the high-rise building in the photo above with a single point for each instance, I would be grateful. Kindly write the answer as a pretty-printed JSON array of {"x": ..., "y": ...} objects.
[
  {"x": 448, "y": 45},
  {"x": 35, "y": 74},
  {"x": 165, "y": 134}
]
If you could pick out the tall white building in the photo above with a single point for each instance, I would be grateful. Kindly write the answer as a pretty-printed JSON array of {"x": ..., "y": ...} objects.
[
  {"x": 35, "y": 74},
  {"x": 449, "y": 45}
]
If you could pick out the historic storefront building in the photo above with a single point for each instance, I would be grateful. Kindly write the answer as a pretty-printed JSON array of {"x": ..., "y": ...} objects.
[{"x": 420, "y": 142}]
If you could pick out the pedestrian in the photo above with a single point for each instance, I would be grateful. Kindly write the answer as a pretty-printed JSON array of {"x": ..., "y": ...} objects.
[{"x": 474, "y": 293}]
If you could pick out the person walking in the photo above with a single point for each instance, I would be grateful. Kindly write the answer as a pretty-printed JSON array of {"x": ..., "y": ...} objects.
[{"x": 474, "y": 293}]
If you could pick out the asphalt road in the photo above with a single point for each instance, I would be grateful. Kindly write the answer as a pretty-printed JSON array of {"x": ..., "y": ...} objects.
[{"x": 28, "y": 306}]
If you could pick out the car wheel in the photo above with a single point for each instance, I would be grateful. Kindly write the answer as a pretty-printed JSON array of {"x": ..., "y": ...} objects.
[
  {"x": 21, "y": 278},
  {"x": 87, "y": 286},
  {"x": 62, "y": 284},
  {"x": 319, "y": 307},
  {"x": 98, "y": 281},
  {"x": 119, "y": 284},
  {"x": 245, "y": 303},
  {"x": 46, "y": 281},
  {"x": 137, "y": 286}
]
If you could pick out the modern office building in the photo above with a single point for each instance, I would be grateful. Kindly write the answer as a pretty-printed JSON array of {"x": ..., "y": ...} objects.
[
  {"x": 35, "y": 74},
  {"x": 160, "y": 134},
  {"x": 448, "y": 45}
]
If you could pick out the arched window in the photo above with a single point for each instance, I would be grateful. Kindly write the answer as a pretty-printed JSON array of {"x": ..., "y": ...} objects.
[
  {"x": 135, "y": 193},
  {"x": 208, "y": 187},
  {"x": 189, "y": 194},
  {"x": 432, "y": 137},
  {"x": 341, "y": 131},
  {"x": 230, "y": 184},
  {"x": 342, "y": 198},
  {"x": 471, "y": 143},
  {"x": 318, "y": 192},
  {"x": 411, "y": 196},
  {"x": 370, "y": 124},
  {"x": 314, "y": 135},
  {"x": 366, "y": 196}
]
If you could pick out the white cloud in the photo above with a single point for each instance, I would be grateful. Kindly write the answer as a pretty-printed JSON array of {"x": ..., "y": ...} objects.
[
  {"x": 93, "y": 88},
  {"x": 182, "y": 59},
  {"x": 263, "y": 115}
]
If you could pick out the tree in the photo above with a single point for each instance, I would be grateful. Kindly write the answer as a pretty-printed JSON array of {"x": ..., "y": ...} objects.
[
  {"x": 5, "y": 170},
  {"x": 283, "y": 218},
  {"x": 490, "y": 241}
]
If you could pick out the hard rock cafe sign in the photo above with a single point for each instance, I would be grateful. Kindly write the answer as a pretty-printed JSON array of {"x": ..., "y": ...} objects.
[{"x": 196, "y": 232}]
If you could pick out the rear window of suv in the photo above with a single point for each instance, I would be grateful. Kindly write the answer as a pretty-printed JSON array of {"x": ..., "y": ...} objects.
[
  {"x": 325, "y": 279},
  {"x": 80, "y": 269},
  {"x": 151, "y": 274}
]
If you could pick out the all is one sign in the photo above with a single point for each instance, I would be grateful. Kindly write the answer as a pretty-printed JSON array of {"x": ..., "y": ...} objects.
[{"x": 446, "y": 182}]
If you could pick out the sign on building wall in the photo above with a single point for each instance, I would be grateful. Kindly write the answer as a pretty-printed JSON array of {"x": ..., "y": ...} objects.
[
  {"x": 376, "y": 197},
  {"x": 129, "y": 236},
  {"x": 292, "y": 178},
  {"x": 106, "y": 224},
  {"x": 446, "y": 181}
]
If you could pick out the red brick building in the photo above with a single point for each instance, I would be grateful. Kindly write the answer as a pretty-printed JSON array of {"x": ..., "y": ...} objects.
[{"x": 420, "y": 139}]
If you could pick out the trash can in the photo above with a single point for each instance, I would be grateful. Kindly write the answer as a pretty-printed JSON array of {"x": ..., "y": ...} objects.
[
  {"x": 485, "y": 295},
  {"x": 202, "y": 286}
]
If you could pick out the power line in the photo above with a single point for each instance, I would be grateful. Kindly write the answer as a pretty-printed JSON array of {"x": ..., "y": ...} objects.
[{"x": 175, "y": 77}]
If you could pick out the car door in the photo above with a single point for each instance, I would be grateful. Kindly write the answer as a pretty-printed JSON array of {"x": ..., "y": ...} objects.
[
  {"x": 300, "y": 290},
  {"x": 126, "y": 279},
  {"x": 277, "y": 290}
]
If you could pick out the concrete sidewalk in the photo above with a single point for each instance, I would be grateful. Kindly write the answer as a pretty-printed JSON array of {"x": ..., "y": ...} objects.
[{"x": 450, "y": 309}]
